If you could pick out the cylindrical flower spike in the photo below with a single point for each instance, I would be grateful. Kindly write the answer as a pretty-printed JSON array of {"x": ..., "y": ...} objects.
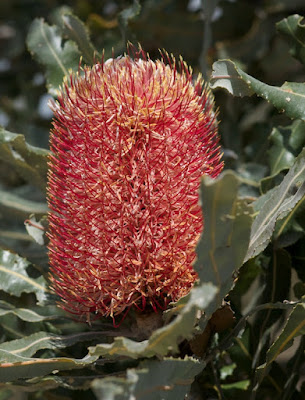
[{"x": 130, "y": 140}]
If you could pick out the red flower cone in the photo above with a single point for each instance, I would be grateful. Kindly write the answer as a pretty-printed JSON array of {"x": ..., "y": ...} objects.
[{"x": 130, "y": 141}]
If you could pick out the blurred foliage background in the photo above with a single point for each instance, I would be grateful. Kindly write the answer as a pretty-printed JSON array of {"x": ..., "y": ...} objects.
[{"x": 253, "y": 134}]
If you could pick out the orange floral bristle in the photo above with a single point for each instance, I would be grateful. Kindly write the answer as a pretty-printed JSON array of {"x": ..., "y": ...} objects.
[{"x": 131, "y": 138}]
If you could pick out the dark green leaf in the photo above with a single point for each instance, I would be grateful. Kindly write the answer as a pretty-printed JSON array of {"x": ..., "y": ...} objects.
[
  {"x": 29, "y": 162},
  {"x": 224, "y": 242},
  {"x": 241, "y": 351},
  {"x": 243, "y": 348},
  {"x": 277, "y": 287},
  {"x": 18, "y": 367},
  {"x": 294, "y": 31},
  {"x": 284, "y": 198},
  {"x": 168, "y": 379},
  {"x": 277, "y": 280},
  {"x": 250, "y": 175},
  {"x": 299, "y": 289},
  {"x": 16, "y": 205},
  {"x": 27, "y": 314},
  {"x": 294, "y": 327},
  {"x": 289, "y": 98},
  {"x": 46, "y": 45},
  {"x": 15, "y": 280},
  {"x": 294, "y": 365},
  {"x": 288, "y": 230},
  {"x": 29, "y": 345},
  {"x": 77, "y": 31}
]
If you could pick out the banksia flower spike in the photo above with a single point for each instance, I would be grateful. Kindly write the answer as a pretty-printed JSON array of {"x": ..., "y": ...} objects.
[{"x": 130, "y": 140}]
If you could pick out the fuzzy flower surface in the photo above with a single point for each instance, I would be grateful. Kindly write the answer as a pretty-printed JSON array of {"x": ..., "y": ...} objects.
[{"x": 131, "y": 138}]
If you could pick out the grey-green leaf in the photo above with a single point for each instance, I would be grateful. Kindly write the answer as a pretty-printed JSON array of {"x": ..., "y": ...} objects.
[
  {"x": 77, "y": 31},
  {"x": 227, "y": 225},
  {"x": 18, "y": 367},
  {"x": 18, "y": 206},
  {"x": 284, "y": 198},
  {"x": 46, "y": 44},
  {"x": 29, "y": 345},
  {"x": 168, "y": 379},
  {"x": 29, "y": 162},
  {"x": 289, "y": 98},
  {"x": 226, "y": 75},
  {"x": 15, "y": 280},
  {"x": 295, "y": 326},
  {"x": 294, "y": 31},
  {"x": 26, "y": 314}
]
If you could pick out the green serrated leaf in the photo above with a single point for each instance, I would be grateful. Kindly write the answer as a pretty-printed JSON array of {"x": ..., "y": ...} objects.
[
  {"x": 29, "y": 162},
  {"x": 284, "y": 198},
  {"x": 46, "y": 44},
  {"x": 227, "y": 225},
  {"x": 294, "y": 31},
  {"x": 288, "y": 227},
  {"x": 18, "y": 206},
  {"x": 29, "y": 345},
  {"x": 226, "y": 75},
  {"x": 18, "y": 367},
  {"x": 165, "y": 339},
  {"x": 25, "y": 314},
  {"x": 289, "y": 98},
  {"x": 294, "y": 327},
  {"x": 15, "y": 280},
  {"x": 242, "y": 351},
  {"x": 77, "y": 31},
  {"x": 168, "y": 379}
]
